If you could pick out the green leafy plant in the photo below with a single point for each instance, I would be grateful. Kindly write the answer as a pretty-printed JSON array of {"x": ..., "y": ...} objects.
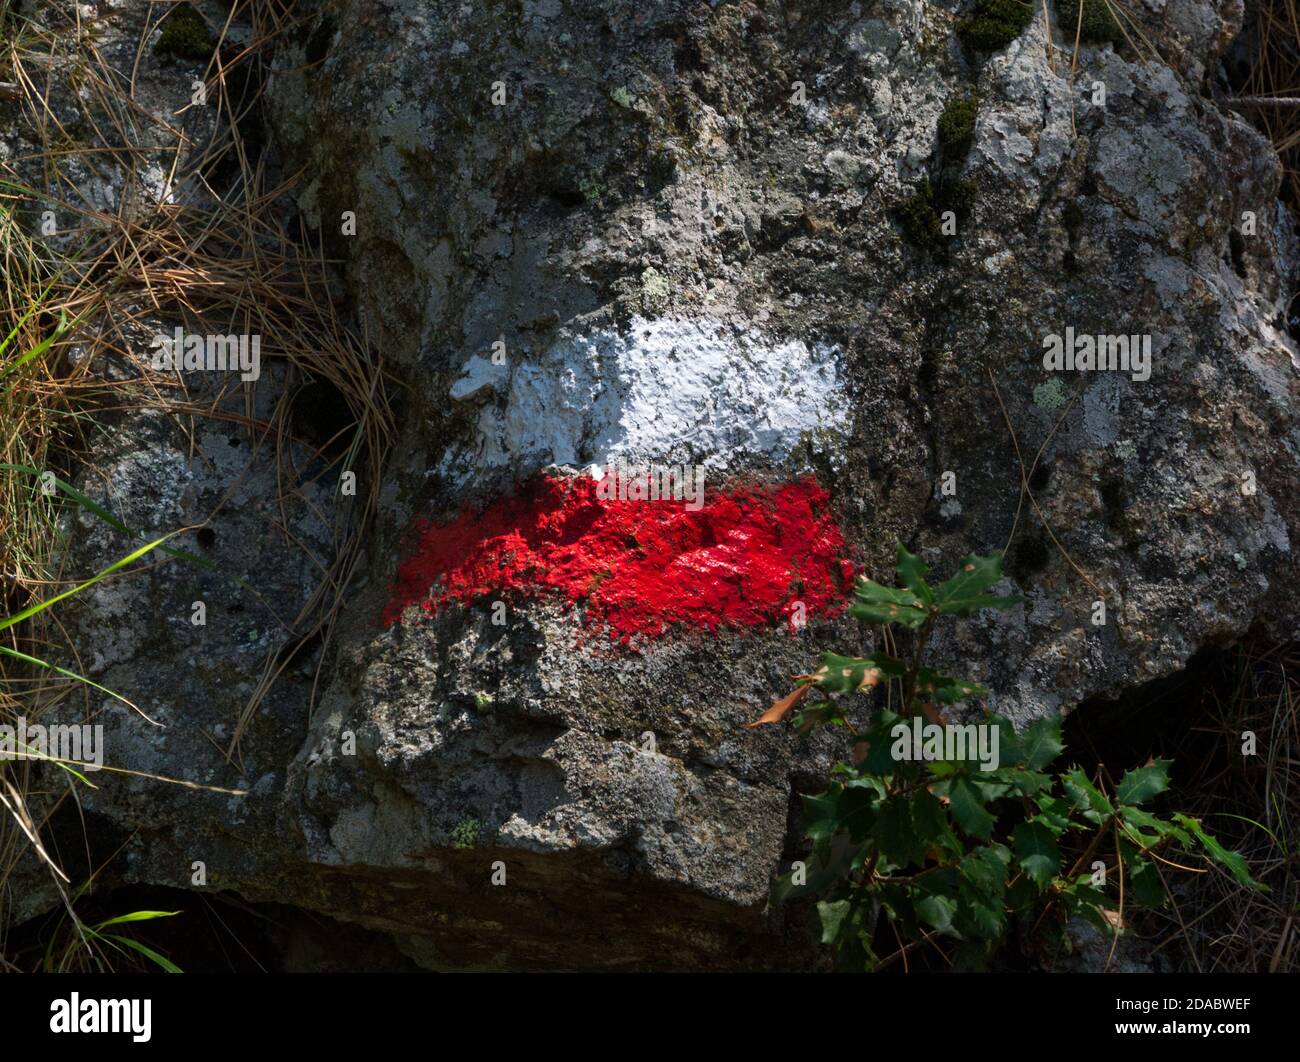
[{"x": 958, "y": 851}]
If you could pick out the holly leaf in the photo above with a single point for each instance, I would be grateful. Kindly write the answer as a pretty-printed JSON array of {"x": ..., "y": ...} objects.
[
  {"x": 936, "y": 911},
  {"x": 1027, "y": 783},
  {"x": 823, "y": 713},
  {"x": 935, "y": 899},
  {"x": 896, "y": 834},
  {"x": 965, "y": 593},
  {"x": 849, "y": 674},
  {"x": 983, "y": 876},
  {"x": 821, "y": 815},
  {"x": 856, "y": 813},
  {"x": 932, "y": 827},
  {"x": 1055, "y": 812},
  {"x": 1082, "y": 898},
  {"x": 886, "y": 604},
  {"x": 967, "y": 808},
  {"x": 1042, "y": 743},
  {"x": 1136, "y": 820},
  {"x": 1235, "y": 864},
  {"x": 944, "y": 689},
  {"x": 1143, "y": 878},
  {"x": 1037, "y": 852},
  {"x": 1009, "y": 748},
  {"x": 986, "y": 868},
  {"x": 1141, "y": 784},
  {"x": 832, "y": 916},
  {"x": 912, "y": 572},
  {"x": 1088, "y": 800}
]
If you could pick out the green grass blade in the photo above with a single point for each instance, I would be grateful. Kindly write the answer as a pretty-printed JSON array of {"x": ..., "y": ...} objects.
[
  {"x": 18, "y": 655},
  {"x": 40, "y": 348},
  {"x": 135, "y": 916},
  {"x": 93, "y": 507},
  {"x": 159, "y": 960},
  {"x": 118, "y": 565},
  {"x": 35, "y": 305},
  {"x": 1228, "y": 815},
  {"x": 32, "y": 754}
]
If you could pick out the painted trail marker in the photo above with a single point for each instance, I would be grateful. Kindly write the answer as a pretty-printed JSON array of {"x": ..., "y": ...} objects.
[{"x": 638, "y": 568}]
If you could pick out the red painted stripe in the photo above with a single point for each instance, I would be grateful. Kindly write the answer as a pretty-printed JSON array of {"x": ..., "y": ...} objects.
[{"x": 640, "y": 567}]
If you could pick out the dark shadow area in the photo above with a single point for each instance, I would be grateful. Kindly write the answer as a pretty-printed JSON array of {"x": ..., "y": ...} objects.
[{"x": 213, "y": 932}]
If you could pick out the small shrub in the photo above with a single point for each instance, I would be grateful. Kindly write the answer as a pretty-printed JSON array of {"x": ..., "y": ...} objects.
[
  {"x": 958, "y": 850},
  {"x": 993, "y": 24}
]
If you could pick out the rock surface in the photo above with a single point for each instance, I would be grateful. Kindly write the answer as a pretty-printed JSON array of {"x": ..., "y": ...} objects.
[{"x": 666, "y": 192}]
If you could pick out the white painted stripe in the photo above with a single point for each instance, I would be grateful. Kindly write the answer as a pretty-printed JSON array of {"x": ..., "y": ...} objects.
[{"x": 669, "y": 390}]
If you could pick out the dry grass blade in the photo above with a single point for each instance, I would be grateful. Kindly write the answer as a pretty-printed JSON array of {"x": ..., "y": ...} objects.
[{"x": 218, "y": 258}]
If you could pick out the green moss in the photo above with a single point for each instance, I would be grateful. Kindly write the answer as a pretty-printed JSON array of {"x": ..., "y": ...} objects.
[
  {"x": 957, "y": 128},
  {"x": 921, "y": 215},
  {"x": 465, "y": 834},
  {"x": 993, "y": 24},
  {"x": 186, "y": 35},
  {"x": 959, "y": 197},
  {"x": 1099, "y": 23},
  {"x": 918, "y": 216}
]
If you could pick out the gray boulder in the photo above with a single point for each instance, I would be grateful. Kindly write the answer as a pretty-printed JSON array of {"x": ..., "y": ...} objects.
[{"x": 699, "y": 234}]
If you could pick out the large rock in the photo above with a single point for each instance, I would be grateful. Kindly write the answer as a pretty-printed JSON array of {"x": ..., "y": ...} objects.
[{"x": 688, "y": 257}]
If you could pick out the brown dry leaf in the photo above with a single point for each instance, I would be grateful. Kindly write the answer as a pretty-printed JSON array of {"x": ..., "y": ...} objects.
[
  {"x": 780, "y": 709},
  {"x": 931, "y": 712},
  {"x": 1113, "y": 917}
]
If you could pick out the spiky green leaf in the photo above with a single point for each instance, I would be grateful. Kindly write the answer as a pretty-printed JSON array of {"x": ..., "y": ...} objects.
[
  {"x": 967, "y": 806},
  {"x": 945, "y": 689},
  {"x": 1088, "y": 800},
  {"x": 1037, "y": 852},
  {"x": 833, "y": 915},
  {"x": 1041, "y": 743},
  {"x": 966, "y": 592},
  {"x": 887, "y": 604},
  {"x": 1141, "y": 784},
  {"x": 848, "y": 674},
  {"x": 912, "y": 572},
  {"x": 1235, "y": 865}
]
